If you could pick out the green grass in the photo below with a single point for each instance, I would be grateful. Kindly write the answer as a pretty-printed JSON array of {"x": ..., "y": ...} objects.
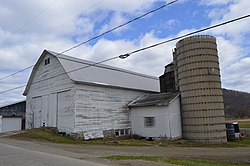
[
  {"x": 244, "y": 124},
  {"x": 239, "y": 143},
  {"x": 176, "y": 161},
  {"x": 44, "y": 134}
]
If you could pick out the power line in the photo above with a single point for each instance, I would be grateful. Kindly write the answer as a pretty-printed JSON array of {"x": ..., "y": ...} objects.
[
  {"x": 119, "y": 26},
  {"x": 104, "y": 33},
  {"x": 123, "y": 56},
  {"x": 88, "y": 65},
  {"x": 29, "y": 21},
  {"x": 58, "y": 26},
  {"x": 188, "y": 34},
  {"x": 19, "y": 87},
  {"x": 17, "y": 72}
]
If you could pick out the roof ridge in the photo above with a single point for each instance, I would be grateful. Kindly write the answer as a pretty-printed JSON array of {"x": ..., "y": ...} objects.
[{"x": 83, "y": 61}]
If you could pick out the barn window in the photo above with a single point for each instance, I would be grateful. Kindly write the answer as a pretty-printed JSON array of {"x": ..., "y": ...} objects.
[
  {"x": 47, "y": 61},
  {"x": 121, "y": 132},
  {"x": 149, "y": 121},
  {"x": 117, "y": 133}
]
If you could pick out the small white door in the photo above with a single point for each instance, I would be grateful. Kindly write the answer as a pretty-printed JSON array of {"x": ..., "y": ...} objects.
[
  {"x": 37, "y": 112},
  {"x": 65, "y": 111},
  {"x": 52, "y": 110}
]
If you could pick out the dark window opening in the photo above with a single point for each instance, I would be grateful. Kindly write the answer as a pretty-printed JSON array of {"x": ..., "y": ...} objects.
[
  {"x": 149, "y": 121},
  {"x": 122, "y": 132},
  {"x": 47, "y": 61},
  {"x": 236, "y": 128},
  {"x": 117, "y": 133}
]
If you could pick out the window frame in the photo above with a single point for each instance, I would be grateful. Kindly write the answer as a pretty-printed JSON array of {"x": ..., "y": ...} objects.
[{"x": 149, "y": 122}]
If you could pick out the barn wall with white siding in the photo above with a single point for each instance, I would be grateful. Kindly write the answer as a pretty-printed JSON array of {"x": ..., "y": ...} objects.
[
  {"x": 100, "y": 109},
  {"x": 45, "y": 95}
]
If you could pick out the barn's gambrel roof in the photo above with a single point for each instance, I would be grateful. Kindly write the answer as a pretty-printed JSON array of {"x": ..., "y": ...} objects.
[{"x": 79, "y": 71}]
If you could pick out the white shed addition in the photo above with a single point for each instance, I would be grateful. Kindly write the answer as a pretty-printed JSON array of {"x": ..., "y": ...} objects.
[{"x": 157, "y": 116}]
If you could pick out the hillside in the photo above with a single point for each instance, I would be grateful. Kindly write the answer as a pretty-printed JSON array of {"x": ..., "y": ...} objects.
[{"x": 237, "y": 104}]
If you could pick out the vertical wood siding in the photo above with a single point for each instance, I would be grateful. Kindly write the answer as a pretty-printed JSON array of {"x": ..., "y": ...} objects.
[{"x": 41, "y": 101}]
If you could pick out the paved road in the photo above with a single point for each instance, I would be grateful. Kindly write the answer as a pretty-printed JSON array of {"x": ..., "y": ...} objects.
[
  {"x": 29, "y": 153},
  {"x": 13, "y": 155}
]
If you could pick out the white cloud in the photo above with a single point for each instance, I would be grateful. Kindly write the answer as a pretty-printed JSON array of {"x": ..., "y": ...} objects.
[
  {"x": 228, "y": 51},
  {"x": 232, "y": 40},
  {"x": 116, "y": 20},
  {"x": 151, "y": 61},
  {"x": 238, "y": 76},
  {"x": 172, "y": 23},
  {"x": 234, "y": 10},
  {"x": 124, "y": 6},
  {"x": 215, "y": 2},
  {"x": 65, "y": 22}
]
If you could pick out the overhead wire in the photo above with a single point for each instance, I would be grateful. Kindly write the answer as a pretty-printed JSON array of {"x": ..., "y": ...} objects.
[
  {"x": 188, "y": 34},
  {"x": 22, "y": 70},
  {"x": 58, "y": 26},
  {"x": 123, "y": 56},
  {"x": 29, "y": 21},
  {"x": 20, "y": 28},
  {"x": 104, "y": 33},
  {"x": 119, "y": 26},
  {"x": 17, "y": 72},
  {"x": 88, "y": 65}
]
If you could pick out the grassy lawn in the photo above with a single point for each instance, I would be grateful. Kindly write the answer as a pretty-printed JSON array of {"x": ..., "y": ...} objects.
[
  {"x": 244, "y": 124},
  {"x": 51, "y": 136},
  {"x": 45, "y": 135},
  {"x": 176, "y": 161}
]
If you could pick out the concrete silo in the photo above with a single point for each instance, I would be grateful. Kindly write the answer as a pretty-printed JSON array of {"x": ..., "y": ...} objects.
[{"x": 197, "y": 77}]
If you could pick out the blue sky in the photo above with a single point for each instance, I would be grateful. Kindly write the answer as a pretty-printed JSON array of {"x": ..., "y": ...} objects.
[{"x": 28, "y": 27}]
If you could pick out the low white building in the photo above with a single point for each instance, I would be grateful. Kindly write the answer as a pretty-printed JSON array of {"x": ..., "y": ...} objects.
[
  {"x": 10, "y": 123},
  {"x": 157, "y": 116},
  {"x": 81, "y": 97}
]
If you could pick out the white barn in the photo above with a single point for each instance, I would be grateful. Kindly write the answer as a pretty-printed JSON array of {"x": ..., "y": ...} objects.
[
  {"x": 80, "y": 98},
  {"x": 157, "y": 116}
]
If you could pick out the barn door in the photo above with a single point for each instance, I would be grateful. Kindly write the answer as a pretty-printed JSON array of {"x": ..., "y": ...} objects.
[
  {"x": 65, "y": 111},
  {"x": 52, "y": 110},
  {"x": 37, "y": 111}
]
